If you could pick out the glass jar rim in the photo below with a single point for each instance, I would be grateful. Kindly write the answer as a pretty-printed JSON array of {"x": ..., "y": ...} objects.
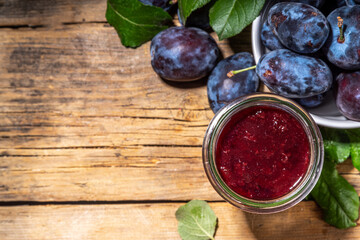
[{"x": 302, "y": 189}]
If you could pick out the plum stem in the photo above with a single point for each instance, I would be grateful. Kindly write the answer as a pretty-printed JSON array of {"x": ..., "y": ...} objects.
[
  {"x": 341, "y": 38},
  {"x": 232, "y": 73}
]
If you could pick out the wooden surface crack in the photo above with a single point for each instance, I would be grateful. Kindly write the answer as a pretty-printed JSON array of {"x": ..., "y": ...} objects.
[
  {"x": 85, "y": 22},
  {"x": 22, "y": 26}
]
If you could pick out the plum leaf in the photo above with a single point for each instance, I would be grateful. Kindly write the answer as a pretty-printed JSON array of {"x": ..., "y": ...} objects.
[
  {"x": 336, "y": 197},
  {"x": 135, "y": 22},
  {"x": 230, "y": 17},
  {"x": 186, "y": 7},
  {"x": 197, "y": 221}
]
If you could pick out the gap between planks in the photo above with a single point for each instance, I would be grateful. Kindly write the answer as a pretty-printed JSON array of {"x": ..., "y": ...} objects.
[{"x": 38, "y": 203}]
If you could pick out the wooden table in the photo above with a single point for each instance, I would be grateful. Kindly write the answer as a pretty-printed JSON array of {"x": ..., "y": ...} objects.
[{"x": 94, "y": 145}]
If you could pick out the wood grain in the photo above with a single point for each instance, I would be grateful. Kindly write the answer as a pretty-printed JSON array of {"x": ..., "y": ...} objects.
[
  {"x": 84, "y": 118},
  {"x": 39, "y": 13},
  {"x": 157, "y": 221},
  {"x": 123, "y": 174}
]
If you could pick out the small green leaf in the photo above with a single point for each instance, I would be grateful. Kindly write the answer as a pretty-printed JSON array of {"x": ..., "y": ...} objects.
[
  {"x": 355, "y": 155},
  {"x": 354, "y": 135},
  {"x": 336, "y": 197},
  {"x": 135, "y": 22},
  {"x": 230, "y": 17},
  {"x": 197, "y": 221},
  {"x": 186, "y": 7},
  {"x": 336, "y": 144}
]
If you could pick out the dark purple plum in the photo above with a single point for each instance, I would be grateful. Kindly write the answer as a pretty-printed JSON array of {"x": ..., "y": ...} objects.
[
  {"x": 268, "y": 37},
  {"x": 293, "y": 75},
  {"x": 164, "y": 4},
  {"x": 299, "y": 27},
  {"x": 342, "y": 3},
  {"x": 344, "y": 54},
  {"x": 353, "y": 2},
  {"x": 311, "y": 102},
  {"x": 221, "y": 90},
  {"x": 199, "y": 18},
  {"x": 315, "y": 3},
  {"x": 183, "y": 54},
  {"x": 348, "y": 95}
]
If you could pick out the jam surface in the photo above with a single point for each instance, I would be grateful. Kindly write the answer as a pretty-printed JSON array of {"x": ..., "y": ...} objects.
[{"x": 262, "y": 153}]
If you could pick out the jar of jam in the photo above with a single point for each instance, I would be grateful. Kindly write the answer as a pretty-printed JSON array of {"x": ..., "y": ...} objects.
[{"x": 263, "y": 153}]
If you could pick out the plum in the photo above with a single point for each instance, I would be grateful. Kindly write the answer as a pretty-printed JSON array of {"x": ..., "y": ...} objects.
[
  {"x": 341, "y": 3},
  {"x": 221, "y": 90},
  {"x": 299, "y": 27},
  {"x": 293, "y": 75},
  {"x": 164, "y": 4},
  {"x": 268, "y": 37},
  {"x": 353, "y": 2},
  {"x": 311, "y": 102},
  {"x": 348, "y": 95},
  {"x": 315, "y": 3},
  {"x": 183, "y": 54},
  {"x": 343, "y": 50}
]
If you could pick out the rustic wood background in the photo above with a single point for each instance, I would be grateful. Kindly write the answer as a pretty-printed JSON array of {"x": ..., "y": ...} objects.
[{"x": 94, "y": 145}]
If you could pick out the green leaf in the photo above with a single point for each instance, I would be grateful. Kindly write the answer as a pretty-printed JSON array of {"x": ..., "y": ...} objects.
[
  {"x": 355, "y": 155},
  {"x": 186, "y": 7},
  {"x": 336, "y": 197},
  {"x": 308, "y": 197},
  {"x": 197, "y": 221},
  {"x": 230, "y": 17},
  {"x": 354, "y": 135},
  {"x": 135, "y": 22},
  {"x": 336, "y": 144}
]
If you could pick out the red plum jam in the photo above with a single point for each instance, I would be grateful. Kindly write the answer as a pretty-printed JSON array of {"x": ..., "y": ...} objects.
[{"x": 262, "y": 153}]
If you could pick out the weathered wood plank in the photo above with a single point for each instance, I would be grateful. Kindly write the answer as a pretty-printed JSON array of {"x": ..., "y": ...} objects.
[
  {"x": 84, "y": 118},
  {"x": 111, "y": 174},
  {"x": 102, "y": 132},
  {"x": 157, "y": 221},
  {"x": 87, "y": 71},
  {"x": 69, "y": 83},
  {"x": 50, "y": 12}
]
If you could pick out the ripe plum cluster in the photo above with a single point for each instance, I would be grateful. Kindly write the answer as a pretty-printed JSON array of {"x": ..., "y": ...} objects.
[
  {"x": 298, "y": 36},
  {"x": 308, "y": 51}
]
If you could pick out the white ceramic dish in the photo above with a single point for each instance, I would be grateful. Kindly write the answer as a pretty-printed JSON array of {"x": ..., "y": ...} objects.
[{"x": 327, "y": 114}]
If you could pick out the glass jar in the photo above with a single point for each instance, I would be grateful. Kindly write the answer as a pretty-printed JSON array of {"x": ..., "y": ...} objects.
[{"x": 302, "y": 188}]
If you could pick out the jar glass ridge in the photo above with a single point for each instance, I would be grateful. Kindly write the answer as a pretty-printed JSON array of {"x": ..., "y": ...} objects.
[{"x": 302, "y": 189}]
